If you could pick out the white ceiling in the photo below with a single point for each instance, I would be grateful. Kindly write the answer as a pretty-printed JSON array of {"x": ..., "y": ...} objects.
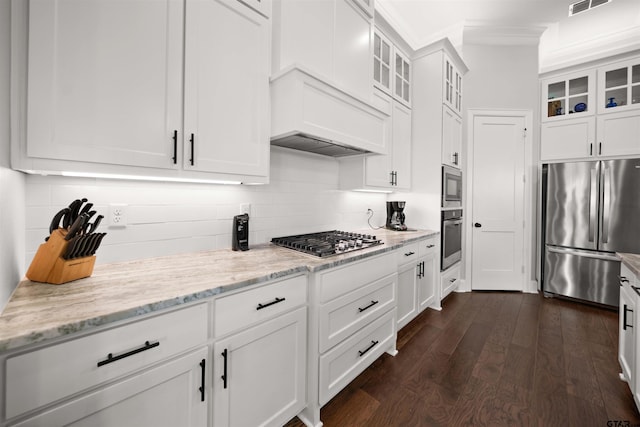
[{"x": 421, "y": 22}]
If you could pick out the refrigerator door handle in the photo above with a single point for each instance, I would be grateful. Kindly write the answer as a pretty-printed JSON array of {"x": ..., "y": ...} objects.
[
  {"x": 606, "y": 203},
  {"x": 586, "y": 254},
  {"x": 593, "y": 204}
]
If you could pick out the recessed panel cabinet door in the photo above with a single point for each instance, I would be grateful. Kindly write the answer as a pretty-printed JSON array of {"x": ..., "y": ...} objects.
[
  {"x": 105, "y": 81},
  {"x": 226, "y": 88}
]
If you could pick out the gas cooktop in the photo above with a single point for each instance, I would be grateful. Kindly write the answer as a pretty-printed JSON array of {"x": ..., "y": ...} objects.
[{"x": 327, "y": 243}]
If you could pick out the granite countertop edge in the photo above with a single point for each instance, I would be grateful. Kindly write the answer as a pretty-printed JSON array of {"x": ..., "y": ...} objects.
[
  {"x": 632, "y": 261},
  {"x": 14, "y": 335}
]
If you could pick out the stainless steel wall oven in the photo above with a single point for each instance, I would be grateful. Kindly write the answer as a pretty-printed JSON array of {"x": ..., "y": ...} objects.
[{"x": 451, "y": 238}]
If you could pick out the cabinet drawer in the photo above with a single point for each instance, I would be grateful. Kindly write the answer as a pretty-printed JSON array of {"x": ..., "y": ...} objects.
[
  {"x": 428, "y": 246},
  {"x": 408, "y": 254},
  {"x": 46, "y": 375},
  {"x": 344, "y": 279},
  {"x": 346, "y": 361},
  {"x": 246, "y": 308},
  {"x": 449, "y": 280},
  {"x": 345, "y": 315}
]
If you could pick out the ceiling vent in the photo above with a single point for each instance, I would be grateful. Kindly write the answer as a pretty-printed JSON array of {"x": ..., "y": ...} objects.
[{"x": 585, "y": 5}]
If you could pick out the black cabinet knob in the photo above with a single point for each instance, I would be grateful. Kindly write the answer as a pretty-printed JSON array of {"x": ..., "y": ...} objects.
[{"x": 477, "y": 225}]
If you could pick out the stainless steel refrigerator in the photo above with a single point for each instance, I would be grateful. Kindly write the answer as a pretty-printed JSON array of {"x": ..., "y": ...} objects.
[{"x": 592, "y": 210}]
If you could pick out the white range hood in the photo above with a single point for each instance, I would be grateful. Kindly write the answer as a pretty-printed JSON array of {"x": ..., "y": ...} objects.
[{"x": 310, "y": 114}]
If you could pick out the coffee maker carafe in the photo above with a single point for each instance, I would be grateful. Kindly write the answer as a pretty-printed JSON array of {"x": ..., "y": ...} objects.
[{"x": 395, "y": 216}]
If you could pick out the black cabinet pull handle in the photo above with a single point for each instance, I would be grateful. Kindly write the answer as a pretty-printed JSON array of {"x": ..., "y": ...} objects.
[
  {"x": 599, "y": 148},
  {"x": 391, "y": 182},
  {"x": 203, "y": 368},
  {"x": 224, "y": 369},
  {"x": 430, "y": 246},
  {"x": 591, "y": 149},
  {"x": 409, "y": 253},
  {"x": 624, "y": 318},
  {"x": 275, "y": 301},
  {"x": 455, "y": 158},
  {"x": 453, "y": 279},
  {"x": 623, "y": 280},
  {"x": 175, "y": 147},
  {"x": 111, "y": 358},
  {"x": 361, "y": 309},
  {"x": 363, "y": 352},
  {"x": 395, "y": 178},
  {"x": 422, "y": 269},
  {"x": 192, "y": 140}
]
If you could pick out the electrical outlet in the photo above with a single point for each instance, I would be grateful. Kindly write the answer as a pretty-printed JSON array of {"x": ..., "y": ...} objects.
[
  {"x": 117, "y": 215},
  {"x": 245, "y": 208}
]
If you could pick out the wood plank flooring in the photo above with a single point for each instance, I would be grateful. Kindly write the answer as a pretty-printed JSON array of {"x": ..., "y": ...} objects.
[{"x": 494, "y": 359}]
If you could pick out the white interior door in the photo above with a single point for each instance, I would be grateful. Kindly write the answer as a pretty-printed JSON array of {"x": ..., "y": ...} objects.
[{"x": 498, "y": 203}]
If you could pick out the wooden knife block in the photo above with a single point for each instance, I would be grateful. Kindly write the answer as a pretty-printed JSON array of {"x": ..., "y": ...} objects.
[{"x": 48, "y": 265}]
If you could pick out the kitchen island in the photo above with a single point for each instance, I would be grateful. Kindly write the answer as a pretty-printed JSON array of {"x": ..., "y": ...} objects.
[{"x": 191, "y": 305}]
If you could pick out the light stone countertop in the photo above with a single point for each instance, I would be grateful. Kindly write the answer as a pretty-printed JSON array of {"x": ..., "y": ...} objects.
[
  {"x": 38, "y": 311},
  {"x": 632, "y": 261}
]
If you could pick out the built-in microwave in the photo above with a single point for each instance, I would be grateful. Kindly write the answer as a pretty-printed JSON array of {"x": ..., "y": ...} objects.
[{"x": 451, "y": 187}]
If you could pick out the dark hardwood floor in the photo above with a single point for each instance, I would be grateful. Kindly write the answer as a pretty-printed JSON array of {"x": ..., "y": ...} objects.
[{"x": 494, "y": 359}]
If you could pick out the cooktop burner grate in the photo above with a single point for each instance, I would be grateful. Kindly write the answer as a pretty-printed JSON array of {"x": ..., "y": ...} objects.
[{"x": 327, "y": 243}]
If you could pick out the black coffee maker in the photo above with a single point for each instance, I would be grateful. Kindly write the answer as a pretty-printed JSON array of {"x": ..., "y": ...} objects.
[{"x": 395, "y": 216}]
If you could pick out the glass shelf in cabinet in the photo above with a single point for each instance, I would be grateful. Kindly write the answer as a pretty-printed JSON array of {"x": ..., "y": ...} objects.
[
  {"x": 579, "y": 86},
  {"x": 615, "y": 98},
  {"x": 556, "y": 90},
  {"x": 555, "y": 108},
  {"x": 616, "y": 78}
]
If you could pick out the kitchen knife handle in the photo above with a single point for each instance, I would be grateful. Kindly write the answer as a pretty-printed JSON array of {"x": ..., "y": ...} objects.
[
  {"x": 175, "y": 147},
  {"x": 224, "y": 369},
  {"x": 192, "y": 141}
]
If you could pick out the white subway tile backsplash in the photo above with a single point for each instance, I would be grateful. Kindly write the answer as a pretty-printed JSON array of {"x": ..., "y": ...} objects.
[{"x": 170, "y": 218}]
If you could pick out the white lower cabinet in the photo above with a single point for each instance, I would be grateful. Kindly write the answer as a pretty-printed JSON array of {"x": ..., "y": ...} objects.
[
  {"x": 628, "y": 339},
  {"x": 347, "y": 360},
  {"x": 408, "y": 272},
  {"x": 417, "y": 278},
  {"x": 260, "y": 373},
  {"x": 428, "y": 275},
  {"x": 172, "y": 394},
  {"x": 449, "y": 280},
  {"x": 134, "y": 374}
]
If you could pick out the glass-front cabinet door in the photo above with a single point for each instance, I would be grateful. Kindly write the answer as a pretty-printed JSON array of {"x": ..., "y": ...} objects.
[
  {"x": 619, "y": 86},
  {"x": 452, "y": 86},
  {"x": 402, "y": 85},
  {"x": 382, "y": 62},
  {"x": 568, "y": 96}
]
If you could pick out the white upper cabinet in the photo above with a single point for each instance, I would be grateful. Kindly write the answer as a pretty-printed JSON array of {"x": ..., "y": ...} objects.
[
  {"x": 104, "y": 81},
  {"x": 568, "y": 96},
  {"x": 451, "y": 138},
  {"x": 332, "y": 39},
  {"x": 619, "y": 86},
  {"x": 226, "y": 89},
  {"x": 391, "y": 69},
  {"x": 452, "y": 85},
  {"x": 382, "y": 62},
  {"x": 106, "y": 91},
  {"x": 569, "y": 139}
]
